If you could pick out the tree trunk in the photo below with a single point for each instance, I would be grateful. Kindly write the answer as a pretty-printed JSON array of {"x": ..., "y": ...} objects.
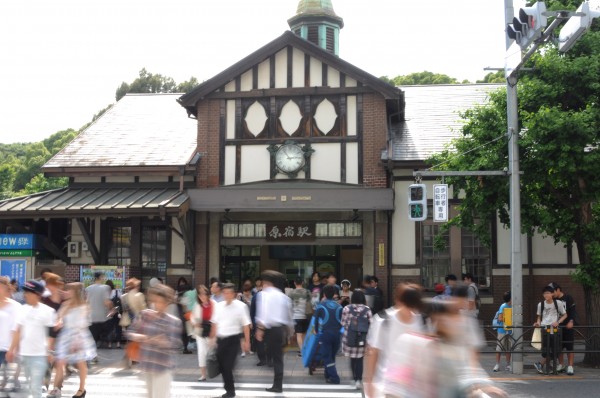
[{"x": 592, "y": 313}]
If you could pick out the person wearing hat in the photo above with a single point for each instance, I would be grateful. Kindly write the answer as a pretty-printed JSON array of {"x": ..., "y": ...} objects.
[
  {"x": 30, "y": 339},
  {"x": 439, "y": 291},
  {"x": 345, "y": 293}
]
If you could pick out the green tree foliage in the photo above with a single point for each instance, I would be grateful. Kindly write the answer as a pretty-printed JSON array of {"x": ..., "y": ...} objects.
[
  {"x": 560, "y": 158},
  {"x": 21, "y": 162},
  {"x": 493, "y": 77},
  {"x": 154, "y": 83},
  {"x": 423, "y": 78}
]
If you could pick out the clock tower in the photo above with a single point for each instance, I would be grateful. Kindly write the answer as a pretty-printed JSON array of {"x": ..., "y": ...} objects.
[{"x": 316, "y": 22}]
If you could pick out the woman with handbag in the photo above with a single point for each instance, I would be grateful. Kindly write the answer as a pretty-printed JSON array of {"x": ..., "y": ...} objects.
[
  {"x": 200, "y": 320},
  {"x": 75, "y": 343}
]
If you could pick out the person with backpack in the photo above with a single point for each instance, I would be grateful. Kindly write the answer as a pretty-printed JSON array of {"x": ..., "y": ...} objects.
[
  {"x": 474, "y": 302},
  {"x": 114, "y": 331},
  {"x": 568, "y": 334},
  {"x": 550, "y": 313},
  {"x": 503, "y": 338},
  {"x": 356, "y": 319},
  {"x": 328, "y": 316},
  {"x": 301, "y": 311}
]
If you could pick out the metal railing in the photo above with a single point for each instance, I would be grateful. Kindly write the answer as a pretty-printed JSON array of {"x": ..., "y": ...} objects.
[{"x": 583, "y": 336}]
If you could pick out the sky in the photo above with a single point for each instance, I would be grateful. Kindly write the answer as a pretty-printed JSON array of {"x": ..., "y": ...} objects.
[{"x": 61, "y": 61}]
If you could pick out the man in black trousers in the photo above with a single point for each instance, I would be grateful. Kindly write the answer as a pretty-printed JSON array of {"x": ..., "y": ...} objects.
[
  {"x": 274, "y": 321},
  {"x": 230, "y": 320}
]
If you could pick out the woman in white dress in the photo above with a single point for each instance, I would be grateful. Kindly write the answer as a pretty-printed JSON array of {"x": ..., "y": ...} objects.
[{"x": 75, "y": 344}]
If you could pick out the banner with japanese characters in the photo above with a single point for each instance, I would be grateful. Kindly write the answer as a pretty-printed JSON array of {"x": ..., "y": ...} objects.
[
  {"x": 291, "y": 232},
  {"x": 440, "y": 202}
]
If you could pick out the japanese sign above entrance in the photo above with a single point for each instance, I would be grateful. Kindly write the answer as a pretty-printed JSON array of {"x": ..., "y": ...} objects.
[
  {"x": 440, "y": 202},
  {"x": 16, "y": 241},
  {"x": 291, "y": 232}
]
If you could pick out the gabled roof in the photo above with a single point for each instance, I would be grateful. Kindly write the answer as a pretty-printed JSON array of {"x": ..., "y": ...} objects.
[
  {"x": 190, "y": 100},
  {"x": 432, "y": 118},
  {"x": 140, "y": 130}
]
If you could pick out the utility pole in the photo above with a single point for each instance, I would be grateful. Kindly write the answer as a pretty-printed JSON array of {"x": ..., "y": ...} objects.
[{"x": 516, "y": 264}]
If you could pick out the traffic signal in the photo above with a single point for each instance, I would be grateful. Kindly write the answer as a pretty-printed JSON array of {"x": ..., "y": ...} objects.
[
  {"x": 529, "y": 25},
  {"x": 417, "y": 202},
  {"x": 576, "y": 26}
]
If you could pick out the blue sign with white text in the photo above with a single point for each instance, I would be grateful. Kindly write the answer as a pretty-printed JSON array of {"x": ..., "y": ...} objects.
[
  {"x": 16, "y": 241},
  {"x": 14, "y": 269}
]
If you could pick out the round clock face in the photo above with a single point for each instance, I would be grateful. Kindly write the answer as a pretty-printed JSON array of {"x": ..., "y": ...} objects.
[{"x": 289, "y": 158}]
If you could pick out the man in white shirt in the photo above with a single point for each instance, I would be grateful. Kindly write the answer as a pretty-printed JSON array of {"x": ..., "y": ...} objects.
[
  {"x": 230, "y": 319},
  {"x": 9, "y": 310},
  {"x": 98, "y": 298},
  {"x": 274, "y": 321},
  {"x": 30, "y": 338}
]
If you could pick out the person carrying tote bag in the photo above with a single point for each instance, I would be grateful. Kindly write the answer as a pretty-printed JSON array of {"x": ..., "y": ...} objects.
[{"x": 200, "y": 320}]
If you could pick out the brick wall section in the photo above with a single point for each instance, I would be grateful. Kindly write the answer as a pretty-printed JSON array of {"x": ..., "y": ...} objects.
[
  {"x": 374, "y": 140},
  {"x": 72, "y": 273},
  {"x": 208, "y": 143}
]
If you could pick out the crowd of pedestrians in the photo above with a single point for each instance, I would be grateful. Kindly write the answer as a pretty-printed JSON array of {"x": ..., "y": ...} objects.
[{"x": 428, "y": 347}]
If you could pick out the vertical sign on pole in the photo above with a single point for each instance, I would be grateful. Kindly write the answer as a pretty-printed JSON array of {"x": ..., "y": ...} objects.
[{"x": 440, "y": 202}]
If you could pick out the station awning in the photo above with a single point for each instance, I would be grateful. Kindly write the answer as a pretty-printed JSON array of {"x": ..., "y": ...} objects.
[
  {"x": 291, "y": 199},
  {"x": 100, "y": 201}
]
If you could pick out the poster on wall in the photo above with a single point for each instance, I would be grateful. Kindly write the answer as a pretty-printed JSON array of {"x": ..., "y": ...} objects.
[
  {"x": 14, "y": 269},
  {"x": 111, "y": 272}
]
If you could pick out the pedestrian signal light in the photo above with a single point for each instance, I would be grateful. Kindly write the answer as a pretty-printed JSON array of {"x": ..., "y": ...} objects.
[
  {"x": 576, "y": 26},
  {"x": 529, "y": 25},
  {"x": 417, "y": 202}
]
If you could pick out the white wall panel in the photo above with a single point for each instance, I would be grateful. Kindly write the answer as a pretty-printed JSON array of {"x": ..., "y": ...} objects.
[
  {"x": 333, "y": 77},
  {"x": 246, "y": 81},
  {"x": 256, "y": 163},
  {"x": 316, "y": 72},
  {"x": 403, "y": 230},
  {"x": 152, "y": 179},
  {"x": 177, "y": 245},
  {"x": 325, "y": 162},
  {"x": 352, "y": 163},
  {"x": 230, "y": 87},
  {"x": 504, "y": 250},
  {"x": 281, "y": 69},
  {"x": 351, "y": 115},
  {"x": 297, "y": 68},
  {"x": 350, "y": 82},
  {"x": 229, "y": 165},
  {"x": 546, "y": 252},
  {"x": 264, "y": 74},
  {"x": 120, "y": 179},
  {"x": 230, "y": 128}
]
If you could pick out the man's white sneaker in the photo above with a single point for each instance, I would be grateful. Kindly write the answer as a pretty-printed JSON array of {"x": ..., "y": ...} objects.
[
  {"x": 358, "y": 384},
  {"x": 496, "y": 368},
  {"x": 508, "y": 368},
  {"x": 570, "y": 371},
  {"x": 560, "y": 368}
]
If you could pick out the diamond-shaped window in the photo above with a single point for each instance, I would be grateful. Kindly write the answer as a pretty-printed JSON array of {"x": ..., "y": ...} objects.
[
  {"x": 325, "y": 116},
  {"x": 290, "y": 117},
  {"x": 256, "y": 116}
]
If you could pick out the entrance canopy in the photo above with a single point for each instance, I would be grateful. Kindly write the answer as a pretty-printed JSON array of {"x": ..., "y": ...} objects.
[
  {"x": 291, "y": 199},
  {"x": 97, "y": 201}
]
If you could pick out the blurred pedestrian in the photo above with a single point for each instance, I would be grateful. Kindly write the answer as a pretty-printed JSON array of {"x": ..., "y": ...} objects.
[
  {"x": 114, "y": 331},
  {"x": 200, "y": 319},
  {"x": 159, "y": 335},
  {"x": 30, "y": 339},
  {"x": 230, "y": 320},
  {"x": 301, "y": 304},
  {"x": 184, "y": 314},
  {"x": 373, "y": 294},
  {"x": 134, "y": 302},
  {"x": 451, "y": 281},
  {"x": 385, "y": 329},
  {"x": 98, "y": 298},
  {"x": 75, "y": 344},
  {"x": 53, "y": 298},
  {"x": 16, "y": 292},
  {"x": 245, "y": 296},
  {"x": 314, "y": 287},
  {"x": 259, "y": 346},
  {"x": 439, "y": 292},
  {"x": 355, "y": 315},
  {"x": 216, "y": 293},
  {"x": 274, "y": 322},
  {"x": 9, "y": 311},
  {"x": 473, "y": 300}
]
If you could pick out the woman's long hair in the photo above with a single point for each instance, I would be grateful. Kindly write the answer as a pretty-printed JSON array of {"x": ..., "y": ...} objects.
[{"x": 76, "y": 289}]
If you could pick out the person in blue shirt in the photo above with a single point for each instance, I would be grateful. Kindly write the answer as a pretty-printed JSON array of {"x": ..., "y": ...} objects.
[
  {"x": 328, "y": 316},
  {"x": 504, "y": 341}
]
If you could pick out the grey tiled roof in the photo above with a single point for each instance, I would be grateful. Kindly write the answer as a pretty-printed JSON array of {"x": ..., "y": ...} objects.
[
  {"x": 139, "y": 130},
  {"x": 432, "y": 117}
]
